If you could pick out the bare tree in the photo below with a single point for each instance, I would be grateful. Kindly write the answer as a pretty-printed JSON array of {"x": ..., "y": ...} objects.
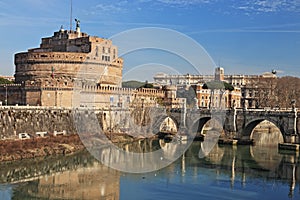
[{"x": 287, "y": 89}]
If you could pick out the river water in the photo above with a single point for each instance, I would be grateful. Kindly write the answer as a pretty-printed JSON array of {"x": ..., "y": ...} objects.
[{"x": 227, "y": 172}]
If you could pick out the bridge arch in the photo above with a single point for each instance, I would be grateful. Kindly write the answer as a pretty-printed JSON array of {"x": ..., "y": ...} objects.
[
  {"x": 163, "y": 123},
  {"x": 198, "y": 124},
  {"x": 168, "y": 125},
  {"x": 247, "y": 132}
]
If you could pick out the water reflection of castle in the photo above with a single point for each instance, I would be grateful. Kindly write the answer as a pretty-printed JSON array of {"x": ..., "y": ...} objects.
[
  {"x": 77, "y": 176},
  {"x": 96, "y": 182}
]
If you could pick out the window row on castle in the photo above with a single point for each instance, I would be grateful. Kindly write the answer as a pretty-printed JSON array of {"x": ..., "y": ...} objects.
[
  {"x": 106, "y": 58},
  {"x": 105, "y": 50},
  {"x": 53, "y": 55},
  {"x": 108, "y": 50}
]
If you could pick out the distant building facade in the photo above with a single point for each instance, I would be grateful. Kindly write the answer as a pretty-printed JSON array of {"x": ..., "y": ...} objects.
[
  {"x": 249, "y": 90},
  {"x": 219, "y": 98}
]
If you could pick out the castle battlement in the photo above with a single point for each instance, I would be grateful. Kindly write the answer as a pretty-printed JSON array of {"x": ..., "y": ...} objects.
[
  {"x": 52, "y": 57},
  {"x": 118, "y": 90}
]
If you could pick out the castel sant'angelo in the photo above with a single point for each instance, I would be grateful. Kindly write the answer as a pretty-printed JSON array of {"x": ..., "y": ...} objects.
[{"x": 48, "y": 75}]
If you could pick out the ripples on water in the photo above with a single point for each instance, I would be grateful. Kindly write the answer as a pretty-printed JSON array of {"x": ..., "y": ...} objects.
[{"x": 227, "y": 172}]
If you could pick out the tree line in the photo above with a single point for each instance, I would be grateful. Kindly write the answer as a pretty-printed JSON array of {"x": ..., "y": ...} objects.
[{"x": 277, "y": 92}]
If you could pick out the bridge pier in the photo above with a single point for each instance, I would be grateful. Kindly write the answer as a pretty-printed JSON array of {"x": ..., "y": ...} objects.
[
  {"x": 293, "y": 137},
  {"x": 292, "y": 141},
  {"x": 232, "y": 124},
  {"x": 234, "y": 118},
  {"x": 295, "y": 124}
]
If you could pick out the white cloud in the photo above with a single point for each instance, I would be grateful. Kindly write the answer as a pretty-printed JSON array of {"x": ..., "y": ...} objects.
[
  {"x": 275, "y": 28},
  {"x": 269, "y": 6},
  {"x": 177, "y": 3},
  {"x": 184, "y": 3},
  {"x": 109, "y": 8},
  {"x": 248, "y": 6}
]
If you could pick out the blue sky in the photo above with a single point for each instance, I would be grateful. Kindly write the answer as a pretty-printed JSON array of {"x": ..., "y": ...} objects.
[{"x": 244, "y": 37}]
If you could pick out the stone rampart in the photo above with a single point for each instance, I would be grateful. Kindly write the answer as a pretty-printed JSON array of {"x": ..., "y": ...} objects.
[{"x": 17, "y": 119}]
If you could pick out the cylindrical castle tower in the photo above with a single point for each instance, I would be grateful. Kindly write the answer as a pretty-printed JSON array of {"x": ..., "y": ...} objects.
[{"x": 61, "y": 58}]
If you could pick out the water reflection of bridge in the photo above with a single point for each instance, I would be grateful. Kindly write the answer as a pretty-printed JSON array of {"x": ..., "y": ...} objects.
[
  {"x": 250, "y": 162},
  {"x": 236, "y": 161},
  {"x": 82, "y": 176}
]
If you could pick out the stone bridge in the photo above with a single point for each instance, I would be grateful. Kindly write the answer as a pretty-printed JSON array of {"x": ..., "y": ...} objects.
[{"x": 238, "y": 123}]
